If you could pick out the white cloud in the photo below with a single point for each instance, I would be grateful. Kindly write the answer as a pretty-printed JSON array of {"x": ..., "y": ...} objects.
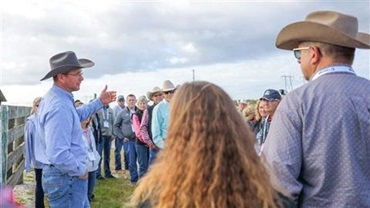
[{"x": 138, "y": 44}]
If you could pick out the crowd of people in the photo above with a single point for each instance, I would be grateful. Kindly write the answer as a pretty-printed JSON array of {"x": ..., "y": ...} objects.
[{"x": 194, "y": 148}]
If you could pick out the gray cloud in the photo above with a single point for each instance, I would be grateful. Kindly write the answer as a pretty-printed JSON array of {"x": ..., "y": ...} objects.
[{"x": 132, "y": 37}]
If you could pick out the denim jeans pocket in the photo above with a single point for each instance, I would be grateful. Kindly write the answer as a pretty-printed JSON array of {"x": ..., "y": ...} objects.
[{"x": 55, "y": 183}]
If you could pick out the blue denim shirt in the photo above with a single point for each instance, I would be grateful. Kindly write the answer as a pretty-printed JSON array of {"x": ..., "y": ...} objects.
[
  {"x": 59, "y": 131},
  {"x": 30, "y": 138},
  {"x": 160, "y": 118}
]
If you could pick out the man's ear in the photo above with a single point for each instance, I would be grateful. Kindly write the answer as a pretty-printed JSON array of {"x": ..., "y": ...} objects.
[{"x": 315, "y": 55}]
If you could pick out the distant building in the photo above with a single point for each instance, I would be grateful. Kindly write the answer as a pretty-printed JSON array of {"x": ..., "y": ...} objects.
[{"x": 2, "y": 97}]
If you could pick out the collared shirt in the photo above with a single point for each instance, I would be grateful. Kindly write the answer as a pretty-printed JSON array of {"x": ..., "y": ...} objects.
[
  {"x": 161, "y": 116},
  {"x": 318, "y": 146},
  {"x": 59, "y": 131},
  {"x": 30, "y": 138}
]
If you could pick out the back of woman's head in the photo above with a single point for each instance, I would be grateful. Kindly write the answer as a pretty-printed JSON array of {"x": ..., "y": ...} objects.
[{"x": 209, "y": 158}]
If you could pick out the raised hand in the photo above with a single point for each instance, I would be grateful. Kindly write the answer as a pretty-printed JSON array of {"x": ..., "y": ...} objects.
[{"x": 107, "y": 97}]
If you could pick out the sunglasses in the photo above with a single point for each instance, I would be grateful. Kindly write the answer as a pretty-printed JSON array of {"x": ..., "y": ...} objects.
[
  {"x": 157, "y": 95},
  {"x": 167, "y": 92},
  {"x": 297, "y": 51}
]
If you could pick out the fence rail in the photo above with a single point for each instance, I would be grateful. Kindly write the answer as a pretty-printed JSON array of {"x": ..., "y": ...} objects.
[{"x": 12, "y": 123}]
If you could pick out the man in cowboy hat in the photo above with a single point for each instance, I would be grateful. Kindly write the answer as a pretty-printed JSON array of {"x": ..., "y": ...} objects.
[
  {"x": 161, "y": 114},
  {"x": 60, "y": 146},
  {"x": 318, "y": 145},
  {"x": 154, "y": 95},
  {"x": 242, "y": 105}
]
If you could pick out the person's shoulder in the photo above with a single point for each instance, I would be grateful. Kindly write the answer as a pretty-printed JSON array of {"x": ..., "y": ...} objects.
[
  {"x": 151, "y": 107},
  {"x": 55, "y": 106},
  {"x": 31, "y": 117},
  {"x": 362, "y": 81},
  {"x": 30, "y": 121},
  {"x": 123, "y": 112},
  {"x": 158, "y": 107},
  {"x": 161, "y": 104}
]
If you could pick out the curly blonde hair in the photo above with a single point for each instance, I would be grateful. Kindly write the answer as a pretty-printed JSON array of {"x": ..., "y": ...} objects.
[{"x": 209, "y": 158}]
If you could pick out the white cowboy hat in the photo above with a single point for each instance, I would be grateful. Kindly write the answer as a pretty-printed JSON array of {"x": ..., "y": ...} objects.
[
  {"x": 155, "y": 89},
  {"x": 65, "y": 62},
  {"x": 243, "y": 101},
  {"x": 326, "y": 27},
  {"x": 168, "y": 86}
]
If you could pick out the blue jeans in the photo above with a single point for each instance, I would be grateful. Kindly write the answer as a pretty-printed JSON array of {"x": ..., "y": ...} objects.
[
  {"x": 91, "y": 184},
  {"x": 152, "y": 155},
  {"x": 142, "y": 152},
  {"x": 104, "y": 146},
  {"x": 134, "y": 177},
  {"x": 126, "y": 156},
  {"x": 117, "y": 152},
  {"x": 62, "y": 190}
]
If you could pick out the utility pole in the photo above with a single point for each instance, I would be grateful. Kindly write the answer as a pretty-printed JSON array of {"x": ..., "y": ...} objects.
[
  {"x": 193, "y": 74},
  {"x": 288, "y": 81}
]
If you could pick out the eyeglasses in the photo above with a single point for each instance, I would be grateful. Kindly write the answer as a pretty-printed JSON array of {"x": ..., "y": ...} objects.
[
  {"x": 172, "y": 91},
  {"x": 297, "y": 51},
  {"x": 75, "y": 75}
]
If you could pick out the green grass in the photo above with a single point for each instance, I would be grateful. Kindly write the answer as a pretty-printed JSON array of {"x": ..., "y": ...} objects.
[{"x": 112, "y": 193}]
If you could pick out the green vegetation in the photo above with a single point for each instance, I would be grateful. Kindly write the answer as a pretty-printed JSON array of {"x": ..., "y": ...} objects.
[{"x": 112, "y": 193}]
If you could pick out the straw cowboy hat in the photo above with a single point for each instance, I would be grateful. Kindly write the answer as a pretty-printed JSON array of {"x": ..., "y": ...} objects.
[
  {"x": 155, "y": 89},
  {"x": 326, "y": 27},
  {"x": 243, "y": 101},
  {"x": 65, "y": 62},
  {"x": 168, "y": 86}
]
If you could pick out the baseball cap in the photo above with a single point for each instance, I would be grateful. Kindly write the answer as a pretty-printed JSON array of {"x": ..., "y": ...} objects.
[
  {"x": 120, "y": 98},
  {"x": 270, "y": 95}
]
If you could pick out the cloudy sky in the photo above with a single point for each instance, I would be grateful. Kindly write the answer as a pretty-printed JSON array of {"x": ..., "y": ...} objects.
[{"x": 136, "y": 45}]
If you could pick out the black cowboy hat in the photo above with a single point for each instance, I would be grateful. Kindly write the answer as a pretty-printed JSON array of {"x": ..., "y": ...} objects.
[{"x": 65, "y": 62}]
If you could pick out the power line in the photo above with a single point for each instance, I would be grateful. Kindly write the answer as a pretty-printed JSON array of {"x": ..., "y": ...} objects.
[{"x": 288, "y": 82}]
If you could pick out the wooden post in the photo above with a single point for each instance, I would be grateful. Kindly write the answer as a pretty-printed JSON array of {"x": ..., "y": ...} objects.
[
  {"x": 15, "y": 144},
  {"x": 3, "y": 153}
]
